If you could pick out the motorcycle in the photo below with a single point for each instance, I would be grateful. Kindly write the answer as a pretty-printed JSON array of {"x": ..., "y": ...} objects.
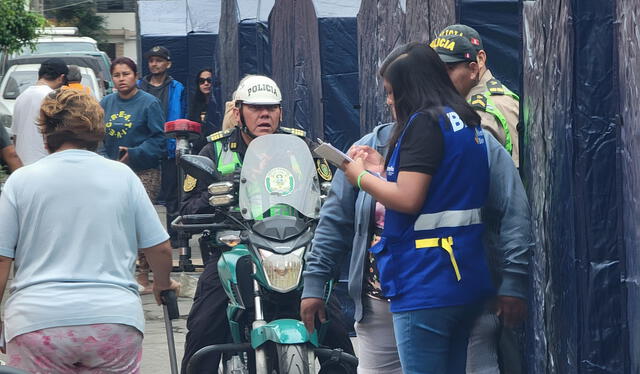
[{"x": 266, "y": 217}]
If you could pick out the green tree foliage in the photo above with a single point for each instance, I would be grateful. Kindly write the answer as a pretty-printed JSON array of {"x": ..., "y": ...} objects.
[
  {"x": 78, "y": 14},
  {"x": 18, "y": 26}
]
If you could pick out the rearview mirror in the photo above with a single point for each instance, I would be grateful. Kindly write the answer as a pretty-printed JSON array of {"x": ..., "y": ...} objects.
[{"x": 200, "y": 167}]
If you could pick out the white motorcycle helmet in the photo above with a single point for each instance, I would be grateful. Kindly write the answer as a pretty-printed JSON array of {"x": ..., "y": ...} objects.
[{"x": 257, "y": 90}]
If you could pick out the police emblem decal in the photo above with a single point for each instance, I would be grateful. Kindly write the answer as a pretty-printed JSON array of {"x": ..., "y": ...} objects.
[
  {"x": 323, "y": 170},
  {"x": 189, "y": 183},
  {"x": 279, "y": 182}
]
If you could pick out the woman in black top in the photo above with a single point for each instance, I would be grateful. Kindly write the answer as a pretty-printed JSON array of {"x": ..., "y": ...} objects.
[
  {"x": 430, "y": 257},
  {"x": 201, "y": 102}
]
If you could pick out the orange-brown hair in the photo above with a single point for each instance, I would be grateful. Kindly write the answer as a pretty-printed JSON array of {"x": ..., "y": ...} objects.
[{"x": 71, "y": 116}]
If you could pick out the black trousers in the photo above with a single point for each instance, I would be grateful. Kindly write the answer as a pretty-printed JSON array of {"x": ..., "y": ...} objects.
[
  {"x": 207, "y": 322},
  {"x": 169, "y": 194}
]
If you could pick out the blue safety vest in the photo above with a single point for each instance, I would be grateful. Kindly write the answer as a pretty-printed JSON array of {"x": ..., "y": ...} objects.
[{"x": 436, "y": 258}]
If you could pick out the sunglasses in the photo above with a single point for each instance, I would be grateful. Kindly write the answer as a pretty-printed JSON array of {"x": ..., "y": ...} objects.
[{"x": 202, "y": 80}]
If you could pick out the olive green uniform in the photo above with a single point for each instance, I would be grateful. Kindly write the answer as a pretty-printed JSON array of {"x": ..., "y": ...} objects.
[{"x": 499, "y": 110}]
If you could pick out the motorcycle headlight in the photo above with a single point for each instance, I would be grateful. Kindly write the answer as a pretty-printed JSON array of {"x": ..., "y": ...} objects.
[
  {"x": 282, "y": 271},
  {"x": 220, "y": 188},
  {"x": 221, "y": 200}
]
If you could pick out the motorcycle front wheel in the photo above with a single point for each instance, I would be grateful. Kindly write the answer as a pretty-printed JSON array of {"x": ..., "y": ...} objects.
[{"x": 295, "y": 359}]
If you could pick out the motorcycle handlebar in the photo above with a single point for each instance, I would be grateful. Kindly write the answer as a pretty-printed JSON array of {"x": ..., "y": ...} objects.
[{"x": 196, "y": 223}]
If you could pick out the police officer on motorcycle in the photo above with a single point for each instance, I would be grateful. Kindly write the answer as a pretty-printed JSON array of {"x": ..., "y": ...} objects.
[{"x": 258, "y": 112}]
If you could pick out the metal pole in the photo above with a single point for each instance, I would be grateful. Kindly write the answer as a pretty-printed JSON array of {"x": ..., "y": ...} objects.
[{"x": 261, "y": 355}]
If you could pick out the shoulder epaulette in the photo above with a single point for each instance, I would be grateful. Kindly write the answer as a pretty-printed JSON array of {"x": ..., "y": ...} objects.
[
  {"x": 478, "y": 101},
  {"x": 495, "y": 87},
  {"x": 219, "y": 135},
  {"x": 293, "y": 131}
]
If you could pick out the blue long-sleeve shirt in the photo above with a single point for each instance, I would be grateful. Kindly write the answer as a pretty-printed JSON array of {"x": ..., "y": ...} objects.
[
  {"x": 345, "y": 218},
  {"x": 136, "y": 123}
]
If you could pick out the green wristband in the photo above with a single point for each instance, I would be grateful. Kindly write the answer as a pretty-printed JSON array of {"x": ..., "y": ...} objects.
[{"x": 362, "y": 173}]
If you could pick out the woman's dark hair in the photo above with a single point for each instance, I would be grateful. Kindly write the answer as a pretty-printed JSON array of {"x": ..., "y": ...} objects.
[
  {"x": 199, "y": 99},
  {"x": 124, "y": 61},
  {"x": 71, "y": 116},
  {"x": 420, "y": 83}
]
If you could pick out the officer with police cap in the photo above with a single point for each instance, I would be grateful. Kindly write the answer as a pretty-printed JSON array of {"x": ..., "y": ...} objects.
[
  {"x": 492, "y": 342},
  {"x": 258, "y": 112},
  {"x": 497, "y": 105}
]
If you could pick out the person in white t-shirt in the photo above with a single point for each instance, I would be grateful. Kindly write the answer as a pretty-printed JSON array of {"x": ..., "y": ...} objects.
[
  {"x": 72, "y": 224},
  {"x": 28, "y": 140}
]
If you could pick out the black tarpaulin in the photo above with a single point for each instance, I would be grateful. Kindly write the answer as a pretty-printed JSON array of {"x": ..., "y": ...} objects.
[
  {"x": 254, "y": 37},
  {"x": 339, "y": 74},
  {"x": 255, "y": 48},
  {"x": 203, "y": 54},
  {"x": 571, "y": 100},
  {"x": 499, "y": 23},
  {"x": 628, "y": 46},
  {"x": 244, "y": 43},
  {"x": 338, "y": 44}
]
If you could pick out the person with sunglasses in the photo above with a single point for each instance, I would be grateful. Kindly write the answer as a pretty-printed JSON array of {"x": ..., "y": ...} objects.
[{"x": 202, "y": 106}]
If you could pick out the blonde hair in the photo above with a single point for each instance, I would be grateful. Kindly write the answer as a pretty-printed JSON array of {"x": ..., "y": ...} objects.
[
  {"x": 229, "y": 121},
  {"x": 71, "y": 116}
]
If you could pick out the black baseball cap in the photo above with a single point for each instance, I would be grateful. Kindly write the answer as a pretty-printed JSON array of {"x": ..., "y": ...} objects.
[
  {"x": 158, "y": 51},
  {"x": 53, "y": 67},
  {"x": 454, "y": 48},
  {"x": 466, "y": 31}
]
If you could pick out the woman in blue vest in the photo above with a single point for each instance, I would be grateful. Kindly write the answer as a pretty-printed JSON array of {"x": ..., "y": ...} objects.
[{"x": 430, "y": 258}]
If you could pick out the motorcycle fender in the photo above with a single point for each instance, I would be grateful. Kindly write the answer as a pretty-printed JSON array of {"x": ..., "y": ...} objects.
[
  {"x": 283, "y": 331},
  {"x": 227, "y": 271}
]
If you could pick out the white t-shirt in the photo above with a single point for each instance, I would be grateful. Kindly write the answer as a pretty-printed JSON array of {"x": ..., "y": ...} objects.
[
  {"x": 73, "y": 222},
  {"x": 29, "y": 141}
]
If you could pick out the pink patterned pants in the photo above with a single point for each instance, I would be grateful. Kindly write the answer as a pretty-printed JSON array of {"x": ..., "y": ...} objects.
[{"x": 86, "y": 349}]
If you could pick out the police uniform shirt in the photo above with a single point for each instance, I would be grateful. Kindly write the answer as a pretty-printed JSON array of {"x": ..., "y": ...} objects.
[{"x": 508, "y": 106}]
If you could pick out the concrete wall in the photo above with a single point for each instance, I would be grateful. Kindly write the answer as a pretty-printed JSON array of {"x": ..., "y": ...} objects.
[{"x": 122, "y": 30}]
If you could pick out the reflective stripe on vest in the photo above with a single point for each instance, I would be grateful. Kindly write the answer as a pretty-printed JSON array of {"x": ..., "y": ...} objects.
[
  {"x": 501, "y": 119},
  {"x": 447, "y": 218},
  {"x": 227, "y": 160}
]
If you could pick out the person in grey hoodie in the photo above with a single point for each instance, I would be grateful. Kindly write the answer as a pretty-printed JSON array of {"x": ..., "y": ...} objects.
[{"x": 345, "y": 228}]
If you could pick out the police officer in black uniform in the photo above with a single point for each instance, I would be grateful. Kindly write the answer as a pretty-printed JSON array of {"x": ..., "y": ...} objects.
[{"x": 258, "y": 111}]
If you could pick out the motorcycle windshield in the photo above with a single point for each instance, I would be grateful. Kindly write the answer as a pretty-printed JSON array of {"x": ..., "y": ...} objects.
[{"x": 278, "y": 173}]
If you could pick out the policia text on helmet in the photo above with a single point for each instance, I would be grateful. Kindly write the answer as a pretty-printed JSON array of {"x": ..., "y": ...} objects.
[{"x": 257, "y": 106}]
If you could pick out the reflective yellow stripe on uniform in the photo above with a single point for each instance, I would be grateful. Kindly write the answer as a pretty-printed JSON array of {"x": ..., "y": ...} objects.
[
  {"x": 502, "y": 120},
  {"x": 444, "y": 243},
  {"x": 227, "y": 160}
]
